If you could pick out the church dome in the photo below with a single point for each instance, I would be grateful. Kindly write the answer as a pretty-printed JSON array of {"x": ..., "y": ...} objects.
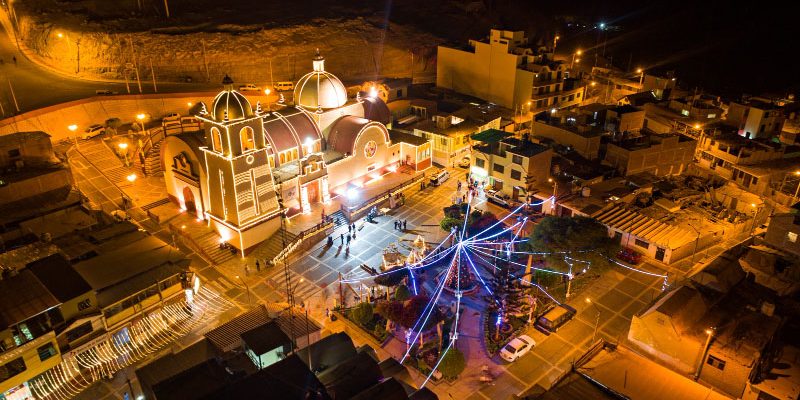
[
  {"x": 229, "y": 104},
  {"x": 319, "y": 88}
]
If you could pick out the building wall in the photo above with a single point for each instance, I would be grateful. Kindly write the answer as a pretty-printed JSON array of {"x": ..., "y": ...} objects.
[
  {"x": 670, "y": 157},
  {"x": 39, "y": 151},
  {"x": 731, "y": 379},
  {"x": 588, "y": 147},
  {"x": 76, "y": 307},
  {"x": 655, "y": 333},
  {"x": 33, "y": 364},
  {"x": 357, "y": 168},
  {"x": 175, "y": 182},
  {"x": 782, "y": 233},
  {"x": 48, "y": 181},
  {"x": 489, "y": 72}
]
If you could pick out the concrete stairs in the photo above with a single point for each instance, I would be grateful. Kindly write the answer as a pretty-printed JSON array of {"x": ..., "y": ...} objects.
[
  {"x": 338, "y": 219},
  {"x": 209, "y": 243},
  {"x": 271, "y": 247},
  {"x": 152, "y": 160}
]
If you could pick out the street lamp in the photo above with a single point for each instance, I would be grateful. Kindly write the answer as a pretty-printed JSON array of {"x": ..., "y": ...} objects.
[
  {"x": 140, "y": 117},
  {"x": 123, "y": 148},
  {"x": 61, "y": 35},
  {"x": 597, "y": 320},
  {"x": 131, "y": 178},
  {"x": 247, "y": 288},
  {"x": 266, "y": 93},
  {"x": 704, "y": 350},
  {"x": 555, "y": 193},
  {"x": 577, "y": 53},
  {"x": 641, "y": 76},
  {"x": 755, "y": 214}
]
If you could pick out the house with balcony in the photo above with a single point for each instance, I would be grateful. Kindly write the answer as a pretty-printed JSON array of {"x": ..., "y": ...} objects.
[
  {"x": 510, "y": 165},
  {"x": 577, "y": 131}
]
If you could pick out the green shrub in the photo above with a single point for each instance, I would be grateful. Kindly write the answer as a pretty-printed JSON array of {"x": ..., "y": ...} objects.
[
  {"x": 363, "y": 313},
  {"x": 452, "y": 364},
  {"x": 402, "y": 293}
]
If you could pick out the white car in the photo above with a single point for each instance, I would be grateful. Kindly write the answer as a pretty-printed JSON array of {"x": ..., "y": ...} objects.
[
  {"x": 517, "y": 348},
  {"x": 92, "y": 131},
  {"x": 250, "y": 87},
  {"x": 497, "y": 198},
  {"x": 171, "y": 117}
]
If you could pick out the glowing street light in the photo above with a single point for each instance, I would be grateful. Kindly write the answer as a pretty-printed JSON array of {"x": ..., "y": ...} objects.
[
  {"x": 60, "y": 35},
  {"x": 641, "y": 75},
  {"x": 577, "y": 53},
  {"x": 131, "y": 178},
  {"x": 140, "y": 117},
  {"x": 123, "y": 147},
  {"x": 73, "y": 127}
]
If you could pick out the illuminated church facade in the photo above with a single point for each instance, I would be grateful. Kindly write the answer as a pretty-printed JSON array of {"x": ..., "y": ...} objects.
[{"x": 246, "y": 159}]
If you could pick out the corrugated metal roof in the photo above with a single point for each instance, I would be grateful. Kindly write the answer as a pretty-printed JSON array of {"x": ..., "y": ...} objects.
[{"x": 619, "y": 217}]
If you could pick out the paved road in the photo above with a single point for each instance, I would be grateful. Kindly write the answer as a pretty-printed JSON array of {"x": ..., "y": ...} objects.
[{"x": 36, "y": 87}]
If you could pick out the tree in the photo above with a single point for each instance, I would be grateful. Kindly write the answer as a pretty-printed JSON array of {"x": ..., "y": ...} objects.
[
  {"x": 391, "y": 311},
  {"x": 112, "y": 124},
  {"x": 363, "y": 313},
  {"x": 480, "y": 221},
  {"x": 580, "y": 238},
  {"x": 453, "y": 363},
  {"x": 402, "y": 293},
  {"x": 448, "y": 223},
  {"x": 413, "y": 310}
]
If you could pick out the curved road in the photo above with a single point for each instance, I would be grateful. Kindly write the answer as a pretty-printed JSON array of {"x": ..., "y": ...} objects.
[{"x": 36, "y": 87}]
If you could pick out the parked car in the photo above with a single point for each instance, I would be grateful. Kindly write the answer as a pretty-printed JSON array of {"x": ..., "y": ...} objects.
[
  {"x": 92, "y": 131},
  {"x": 171, "y": 117},
  {"x": 249, "y": 87},
  {"x": 517, "y": 348},
  {"x": 104, "y": 92},
  {"x": 498, "y": 198},
  {"x": 555, "y": 317},
  {"x": 284, "y": 86},
  {"x": 629, "y": 255},
  {"x": 465, "y": 161},
  {"x": 439, "y": 177}
]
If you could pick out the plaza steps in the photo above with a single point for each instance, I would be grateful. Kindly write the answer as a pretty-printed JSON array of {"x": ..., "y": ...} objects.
[
  {"x": 105, "y": 161},
  {"x": 209, "y": 243},
  {"x": 152, "y": 160},
  {"x": 338, "y": 219},
  {"x": 155, "y": 204},
  {"x": 271, "y": 247}
]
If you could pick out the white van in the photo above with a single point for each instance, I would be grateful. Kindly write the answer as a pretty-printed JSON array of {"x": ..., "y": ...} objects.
[
  {"x": 439, "y": 177},
  {"x": 284, "y": 86}
]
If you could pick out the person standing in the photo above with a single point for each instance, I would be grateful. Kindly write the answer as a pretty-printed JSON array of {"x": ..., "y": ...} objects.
[
  {"x": 349, "y": 229},
  {"x": 404, "y": 224},
  {"x": 258, "y": 266}
]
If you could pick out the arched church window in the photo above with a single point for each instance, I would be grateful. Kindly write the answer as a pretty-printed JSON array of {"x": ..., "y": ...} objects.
[
  {"x": 248, "y": 138},
  {"x": 283, "y": 158},
  {"x": 216, "y": 140}
]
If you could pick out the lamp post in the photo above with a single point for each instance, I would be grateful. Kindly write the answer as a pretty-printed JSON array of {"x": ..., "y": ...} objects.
[
  {"x": 641, "y": 76},
  {"x": 704, "y": 350},
  {"x": 577, "y": 53},
  {"x": 755, "y": 214},
  {"x": 597, "y": 319},
  {"x": 123, "y": 148},
  {"x": 140, "y": 117},
  {"x": 266, "y": 93},
  {"x": 72, "y": 128},
  {"x": 61, "y": 35},
  {"x": 247, "y": 288},
  {"x": 555, "y": 193}
]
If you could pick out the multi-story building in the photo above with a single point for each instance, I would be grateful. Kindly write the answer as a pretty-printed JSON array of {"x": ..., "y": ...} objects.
[
  {"x": 646, "y": 151},
  {"x": 783, "y": 231},
  {"x": 577, "y": 132},
  {"x": 509, "y": 165},
  {"x": 506, "y": 71},
  {"x": 611, "y": 85},
  {"x": 755, "y": 119}
]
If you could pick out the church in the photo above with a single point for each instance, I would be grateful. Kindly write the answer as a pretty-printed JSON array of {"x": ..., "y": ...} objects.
[{"x": 251, "y": 165}]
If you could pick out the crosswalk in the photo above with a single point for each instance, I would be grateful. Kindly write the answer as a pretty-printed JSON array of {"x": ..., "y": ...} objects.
[{"x": 275, "y": 280}]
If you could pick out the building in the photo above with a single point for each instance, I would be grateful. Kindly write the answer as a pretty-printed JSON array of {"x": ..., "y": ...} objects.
[
  {"x": 614, "y": 85},
  {"x": 646, "y": 151},
  {"x": 719, "y": 328},
  {"x": 782, "y": 232},
  {"x": 253, "y": 165},
  {"x": 755, "y": 119},
  {"x": 504, "y": 70},
  {"x": 576, "y": 132},
  {"x": 448, "y": 125},
  {"x": 509, "y": 165}
]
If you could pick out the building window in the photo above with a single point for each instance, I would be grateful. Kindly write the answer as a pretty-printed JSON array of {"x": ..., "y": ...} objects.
[
  {"x": 479, "y": 163},
  {"x": 216, "y": 140},
  {"x": 516, "y": 174},
  {"x": 641, "y": 243},
  {"x": 12, "y": 368},
  {"x": 465, "y": 140},
  {"x": 248, "y": 138},
  {"x": 13, "y": 153},
  {"x": 792, "y": 236},
  {"x": 46, "y": 351},
  {"x": 715, "y": 362},
  {"x": 516, "y": 159},
  {"x": 498, "y": 168}
]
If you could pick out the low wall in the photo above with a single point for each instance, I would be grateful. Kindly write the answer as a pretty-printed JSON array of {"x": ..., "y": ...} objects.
[{"x": 55, "y": 120}]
